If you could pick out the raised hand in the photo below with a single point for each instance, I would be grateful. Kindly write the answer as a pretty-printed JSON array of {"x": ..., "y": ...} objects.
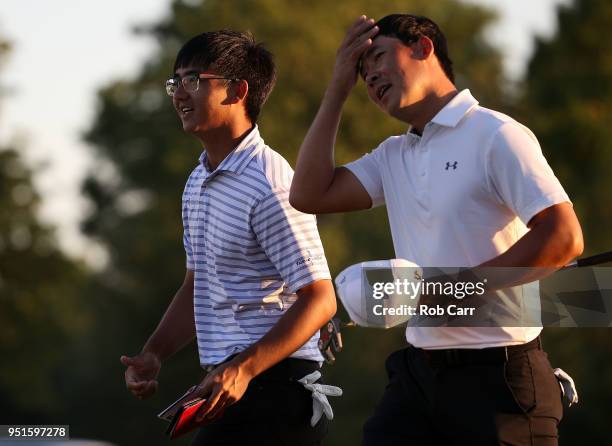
[{"x": 357, "y": 40}]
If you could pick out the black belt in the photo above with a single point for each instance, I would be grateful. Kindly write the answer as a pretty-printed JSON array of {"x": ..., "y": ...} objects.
[
  {"x": 287, "y": 369},
  {"x": 484, "y": 356}
]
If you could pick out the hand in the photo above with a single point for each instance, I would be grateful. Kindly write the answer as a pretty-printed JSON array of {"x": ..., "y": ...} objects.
[
  {"x": 222, "y": 387},
  {"x": 357, "y": 40},
  {"x": 141, "y": 374}
]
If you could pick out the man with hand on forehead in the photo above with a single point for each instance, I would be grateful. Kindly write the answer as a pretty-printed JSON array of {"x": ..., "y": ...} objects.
[
  {"x": 257, "y": 287},
  {"x": 465, "y": 186}
]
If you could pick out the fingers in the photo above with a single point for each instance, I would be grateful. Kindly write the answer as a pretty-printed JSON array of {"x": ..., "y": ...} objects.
[
  {"x": 358, "y": 39},
  {"x": 127, "y": 361},
  {"x": 146, "y": 367},
  {"x": 210, "y": 403},
  {"x": 132, "y": 380},
  {"x": 135, "y": 363},
  {"x": 149, "y": 389},
  {"x": 134, "y": 384},
  {"x": 139, "y": 375},
  {"x": 360, "y": 19},
  {"x": 361, "y": 27},
  {"x": 224, "y": 401},
  {"x": 362, "y": 42},
  {"x": 367, "y": 35},
  {"x": 357, "y": 28},
  {"x": 204, "y": 389},
  {"x": 142, "y": 389},
  {"x": 141, "y": 360}
]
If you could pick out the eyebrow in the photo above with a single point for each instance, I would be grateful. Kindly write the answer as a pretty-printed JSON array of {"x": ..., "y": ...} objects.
[
  {"x": 367, "y": 54},
  {"x": 188, "y": 72}
]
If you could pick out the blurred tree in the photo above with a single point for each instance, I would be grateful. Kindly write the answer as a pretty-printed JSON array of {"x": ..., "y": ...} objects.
[
  {"x": 567, "y": 101},
  {"x": 40, "y": 307},
  {"x": 144, "y": 160}
]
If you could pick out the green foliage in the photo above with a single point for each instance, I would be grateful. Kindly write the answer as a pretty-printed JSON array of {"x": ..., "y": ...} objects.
[
  {"x": 567, "y": 102},
  {"x": 40, "y": 308},
  {"x": 39, "y": 296}
]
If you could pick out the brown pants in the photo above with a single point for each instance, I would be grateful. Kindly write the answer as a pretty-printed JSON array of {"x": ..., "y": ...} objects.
[{"x": 514, "y": 402}]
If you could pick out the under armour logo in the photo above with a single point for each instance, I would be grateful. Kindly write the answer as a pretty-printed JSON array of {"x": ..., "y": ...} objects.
[{"x": 449, "y": 165}]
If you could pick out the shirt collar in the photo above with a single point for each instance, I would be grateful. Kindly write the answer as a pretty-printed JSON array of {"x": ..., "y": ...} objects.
[
  {"x": 237, "y": 159},
  {"x": 456, "y": 109}
]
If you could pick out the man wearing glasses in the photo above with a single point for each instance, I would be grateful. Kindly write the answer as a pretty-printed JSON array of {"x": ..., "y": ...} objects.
[{"x": 257, "y": 284}]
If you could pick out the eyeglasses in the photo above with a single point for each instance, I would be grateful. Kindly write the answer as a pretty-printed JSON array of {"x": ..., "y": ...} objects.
[{"x": 190, "y": 82}]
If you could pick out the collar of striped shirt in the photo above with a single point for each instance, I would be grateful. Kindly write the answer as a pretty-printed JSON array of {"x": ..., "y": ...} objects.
[{"x": 238, "y": 158}]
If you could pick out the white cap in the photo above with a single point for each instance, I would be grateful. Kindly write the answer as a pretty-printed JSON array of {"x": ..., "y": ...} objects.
[{"x": 354, "y": 289}]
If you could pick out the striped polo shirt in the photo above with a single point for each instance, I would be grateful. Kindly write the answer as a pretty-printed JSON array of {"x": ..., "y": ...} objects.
[{"x": 249, "y": 249}]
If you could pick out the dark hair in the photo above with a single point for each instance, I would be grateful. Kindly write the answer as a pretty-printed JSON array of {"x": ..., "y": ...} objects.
[
  {"x": 234, "y": 55},
  {"x": 410, "y": 28}
]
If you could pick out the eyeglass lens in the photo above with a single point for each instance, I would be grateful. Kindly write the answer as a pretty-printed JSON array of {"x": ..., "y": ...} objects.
[{"x": 190, "y": 83}]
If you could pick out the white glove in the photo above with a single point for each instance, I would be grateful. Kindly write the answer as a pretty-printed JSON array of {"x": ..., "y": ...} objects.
[
  {"x": 320, "y": 392},
  {"x": 568, "y": 388}
]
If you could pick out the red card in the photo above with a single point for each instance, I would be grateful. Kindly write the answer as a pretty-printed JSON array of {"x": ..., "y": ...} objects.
[{"x": 185, "y": 419}]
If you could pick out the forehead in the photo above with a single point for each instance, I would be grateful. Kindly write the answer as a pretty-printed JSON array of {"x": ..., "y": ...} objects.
[
  {"x": 193, "y": 69},
  {"x": 385, "y": 43}
]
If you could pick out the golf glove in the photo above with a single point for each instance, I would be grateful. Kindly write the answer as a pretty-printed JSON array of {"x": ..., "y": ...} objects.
[
  {"x": 568, "y": 388},
  {"x": 320, "y": 405}
]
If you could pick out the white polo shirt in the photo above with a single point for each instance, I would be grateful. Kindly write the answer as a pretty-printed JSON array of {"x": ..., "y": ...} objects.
[{"x": 459, "y": 195}]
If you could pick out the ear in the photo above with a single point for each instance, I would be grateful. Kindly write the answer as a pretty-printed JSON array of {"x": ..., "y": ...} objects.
[
  {"x": 239, "y": 90},
  {"x": 424, "y": 47}
]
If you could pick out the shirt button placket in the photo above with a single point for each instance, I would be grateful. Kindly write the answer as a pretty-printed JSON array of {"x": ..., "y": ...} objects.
[
  {"x": 203, "y": 201},
  {"x": 424, "y": 175}
]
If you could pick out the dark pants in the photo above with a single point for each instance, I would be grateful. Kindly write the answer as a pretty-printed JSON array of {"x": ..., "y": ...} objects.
[
  {"x": 513, "y": 402},
  {"x": 275, "y": 410}
]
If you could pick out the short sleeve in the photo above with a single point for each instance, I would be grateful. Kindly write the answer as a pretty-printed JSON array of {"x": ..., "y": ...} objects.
[
  {"x": 290, "y": 240},
  {"x": 519, "y": 175},
  {"x": 367, "y": 171}
]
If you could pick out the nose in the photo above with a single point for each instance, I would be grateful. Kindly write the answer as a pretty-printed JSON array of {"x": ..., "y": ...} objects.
[
  {"x": 371, "y": 79},
  {"x": 180, "y": 92}
]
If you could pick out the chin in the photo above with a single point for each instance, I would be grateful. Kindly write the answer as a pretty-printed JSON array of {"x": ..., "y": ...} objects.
[
  {"x": 390, "y": 109},
  {"x": 382, "y": 107},
  {"x": 187, "y": 128},
  {"x": 191, "y": 127}
]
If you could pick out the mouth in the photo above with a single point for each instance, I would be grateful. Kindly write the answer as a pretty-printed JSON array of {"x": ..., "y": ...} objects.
[
  {"x": 380, "y": 91},
  {"x": 184, "y": 111}
]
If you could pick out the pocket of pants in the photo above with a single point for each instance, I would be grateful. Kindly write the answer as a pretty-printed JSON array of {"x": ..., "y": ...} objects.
[
  {"x": 293, "y": 413},
  {"x": 518, "y": 375},
  {"x": 548, "y": 391}
]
